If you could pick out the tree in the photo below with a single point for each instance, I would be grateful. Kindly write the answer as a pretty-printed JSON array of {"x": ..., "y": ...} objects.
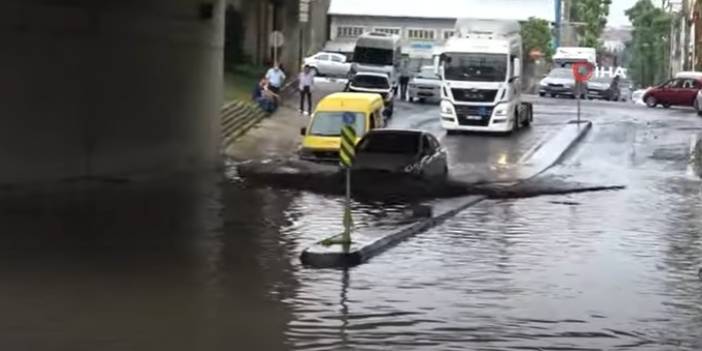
[
  {"x": 649, "y": 44},
  {"x": 536, "y": 34},
  {"x": 593, "y": 14}
]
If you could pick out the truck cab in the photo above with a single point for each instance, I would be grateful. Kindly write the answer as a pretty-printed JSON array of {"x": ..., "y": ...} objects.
[{"x": 480, "y": 70}]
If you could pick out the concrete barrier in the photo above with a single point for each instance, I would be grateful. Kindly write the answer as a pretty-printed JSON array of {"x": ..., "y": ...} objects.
[
  {"x": 553, "y": 150},
  {"x": 370, "y": 242}
]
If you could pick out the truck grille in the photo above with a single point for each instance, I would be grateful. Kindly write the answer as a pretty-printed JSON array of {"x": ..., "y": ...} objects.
[
  {"x": 474, "y": 95},
  {"x": 466, "y": 115}
]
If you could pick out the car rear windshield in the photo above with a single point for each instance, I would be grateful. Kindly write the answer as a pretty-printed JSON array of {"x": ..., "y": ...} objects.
[
  {"x": 370, "y": 82},
  {"x": 390, "y": 143},
  {"x": 561, "y": 73},
  {"x": 330, "y": 123}
]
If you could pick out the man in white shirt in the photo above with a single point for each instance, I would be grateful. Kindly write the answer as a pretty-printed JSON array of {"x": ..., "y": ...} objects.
[
  {"x": 276, "y": 78},
  {"x": 306, "y": 82}
]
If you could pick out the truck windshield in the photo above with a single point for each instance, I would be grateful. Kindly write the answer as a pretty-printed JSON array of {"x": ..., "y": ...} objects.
[
  {"x": 476, "y": 67},
  {"x": 373, "y": 56}
]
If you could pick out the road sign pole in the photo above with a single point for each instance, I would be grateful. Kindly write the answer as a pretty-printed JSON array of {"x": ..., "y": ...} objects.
[
  {"x": 347, "y": 209},
  {"x": 347, "y": 153},
  {"x": 580, "y": 84},
  {"x": 275, "y": 49}
]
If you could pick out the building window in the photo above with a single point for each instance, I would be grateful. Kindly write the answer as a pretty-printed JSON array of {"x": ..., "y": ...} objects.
[
  {"x": 449, "y": 33},
  {"x": 349, "y": 32},
  {"x": 421, "y": 34},
  {"x": 387, "y": 30}
]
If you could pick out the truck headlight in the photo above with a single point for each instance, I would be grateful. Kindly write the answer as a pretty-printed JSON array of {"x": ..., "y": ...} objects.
[
  {"x": 501, "y": 110},
  {"x": 446, "y": 107}
]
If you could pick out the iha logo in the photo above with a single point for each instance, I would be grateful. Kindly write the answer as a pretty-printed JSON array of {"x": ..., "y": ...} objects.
[{"x": 610, "y": 72}]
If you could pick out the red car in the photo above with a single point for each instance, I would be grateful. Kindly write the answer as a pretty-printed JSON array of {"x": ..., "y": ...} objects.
[{"x": 679, "y": 91}]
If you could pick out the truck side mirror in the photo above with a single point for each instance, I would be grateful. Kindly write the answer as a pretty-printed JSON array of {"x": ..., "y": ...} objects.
[
  {"x": 303, "y": 131},
  {"x": 517, "y": 67}
]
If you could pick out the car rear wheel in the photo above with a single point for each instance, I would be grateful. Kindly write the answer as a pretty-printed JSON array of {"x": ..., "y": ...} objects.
[{"x": 651, "y": 102}]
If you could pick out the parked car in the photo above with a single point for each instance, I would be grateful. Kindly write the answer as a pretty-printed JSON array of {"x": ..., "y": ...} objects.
[
  {"x": 425, "y": 85},
  {"x": 603, "y": 88},
  {"x": 559, "y": 82},
  {"x": 698, "y": 103},
  {"x": 410, "y": 152},
  {"x": 677, "y": 91},
  {"x": 328, "y": 64},
  {"x": 371, "y": 82}
]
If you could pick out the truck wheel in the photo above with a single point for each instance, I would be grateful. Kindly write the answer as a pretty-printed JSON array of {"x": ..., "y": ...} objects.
[
  {"x": 530, "y": 116},
  {"x": 517, "y": 123}
]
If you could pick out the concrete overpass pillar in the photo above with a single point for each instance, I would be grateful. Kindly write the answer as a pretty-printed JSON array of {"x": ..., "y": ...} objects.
[{"x": 108, "y": 88}]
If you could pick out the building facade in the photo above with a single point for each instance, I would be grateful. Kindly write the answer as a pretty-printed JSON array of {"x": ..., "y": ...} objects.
[
  {"x": 423, "y": 26},
  {"x": 260, "y": 18}
]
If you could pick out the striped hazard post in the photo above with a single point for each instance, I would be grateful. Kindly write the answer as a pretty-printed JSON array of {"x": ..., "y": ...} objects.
[{"x": 347, "y": 153}]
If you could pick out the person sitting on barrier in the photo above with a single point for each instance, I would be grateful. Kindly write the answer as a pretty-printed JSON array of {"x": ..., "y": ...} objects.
[{"x": 264, "y": 97}]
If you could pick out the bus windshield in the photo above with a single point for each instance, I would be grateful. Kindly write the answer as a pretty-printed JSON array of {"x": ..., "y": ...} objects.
[{"x": 373, "y": 56}]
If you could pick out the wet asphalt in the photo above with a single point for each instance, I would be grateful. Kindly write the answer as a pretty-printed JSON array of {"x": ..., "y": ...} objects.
[{"x": 210, "y": 262}]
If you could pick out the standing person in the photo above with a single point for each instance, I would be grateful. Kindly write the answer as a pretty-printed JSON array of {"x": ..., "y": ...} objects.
[
  {"x": 276, "y": 78},
  {"x": 404, "y": 78},
  {"x": 306, "y": 81}
]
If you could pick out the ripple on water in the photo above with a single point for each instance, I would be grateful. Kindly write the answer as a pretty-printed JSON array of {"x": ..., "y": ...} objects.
[{"x": 615, "y": 271}]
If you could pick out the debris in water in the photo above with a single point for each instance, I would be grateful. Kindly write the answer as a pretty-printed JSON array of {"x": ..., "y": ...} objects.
[{"x": 567, "y": 203}]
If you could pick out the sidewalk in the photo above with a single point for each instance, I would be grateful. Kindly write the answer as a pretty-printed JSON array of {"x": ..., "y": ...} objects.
[{"x": 278, "y": 135}]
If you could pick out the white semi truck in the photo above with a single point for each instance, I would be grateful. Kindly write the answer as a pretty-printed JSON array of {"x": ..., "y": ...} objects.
[{"x": 480, "y": 69}]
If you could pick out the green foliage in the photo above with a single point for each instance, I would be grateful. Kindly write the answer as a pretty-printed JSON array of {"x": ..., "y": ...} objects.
[
  {"x": 649, "y": 45},
  {"x": 593, "y": 13},
  {"x": 536, "y": 34}
]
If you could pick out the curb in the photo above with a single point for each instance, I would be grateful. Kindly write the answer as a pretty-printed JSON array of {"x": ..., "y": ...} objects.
[
  {"x": 339, "y": 256},
  {"x": 551, "y": 152}
]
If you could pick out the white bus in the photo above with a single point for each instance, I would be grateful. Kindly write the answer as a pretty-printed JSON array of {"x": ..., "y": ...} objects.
[{"x": 380, "y": 53}]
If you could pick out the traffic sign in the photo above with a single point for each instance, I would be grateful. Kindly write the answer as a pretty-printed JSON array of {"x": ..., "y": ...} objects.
[
  {"x": 304, "y": 11},
  {"x": 348, "y": 118},
  {"x": 276, "y": 39},
  {"x": 347, "y": 151},
  {"x": 582, "y": 71}
]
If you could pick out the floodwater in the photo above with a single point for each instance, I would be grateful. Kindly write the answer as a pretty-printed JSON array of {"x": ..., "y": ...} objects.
[{"x": 210, "y": 263}]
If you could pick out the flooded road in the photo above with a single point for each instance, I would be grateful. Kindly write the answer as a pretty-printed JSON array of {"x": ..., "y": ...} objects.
[{"x": 211, "y": 264}]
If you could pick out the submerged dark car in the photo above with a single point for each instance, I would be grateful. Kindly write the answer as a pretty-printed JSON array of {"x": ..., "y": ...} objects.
[{"x": 407, "y": 152}]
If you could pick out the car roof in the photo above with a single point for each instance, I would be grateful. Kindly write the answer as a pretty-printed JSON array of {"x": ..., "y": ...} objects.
[
  {"x": 374, "y": 74},
  {"x": 354, "y": 102},
  {"x": 397, "y": 131},
  {"x": 689, "y": 74}
]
